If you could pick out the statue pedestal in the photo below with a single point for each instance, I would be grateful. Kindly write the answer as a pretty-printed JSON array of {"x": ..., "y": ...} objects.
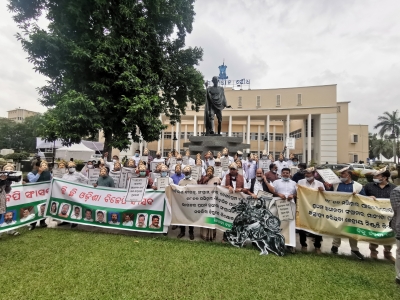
[{"x": 215, "y": 144}]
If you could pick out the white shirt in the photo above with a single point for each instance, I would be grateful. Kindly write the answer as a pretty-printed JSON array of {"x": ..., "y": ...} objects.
[
  {"x": 30, "y": 217},
  {"x": 250, "y": 168},
  {"x": 285, "y": 187},
  {"x": 314, "y": 185},
  {"x": 112, "y": 223},
  {"x": 257, "y": 186},
  {"x": 9, "y": 224},
  {"x": 73, "y": 216},
  {"x": 129, "y": 223},
  {"x": 191, "y": 161},
  {"x": 75, "y": 177},
  {"x": 170, "y": 181},
  {"x": 136, "y": 159},
  {"x": 280, "y": 166},
  {"x": 158, "y": 160},
  {"x": 211, "y": 162}
]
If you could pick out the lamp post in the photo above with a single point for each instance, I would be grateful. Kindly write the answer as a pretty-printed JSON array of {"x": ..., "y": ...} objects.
[
  {"x": 173, "y": 143},
  {"x": 393, "y": 137},
  {"x": 266, "y": 142}
]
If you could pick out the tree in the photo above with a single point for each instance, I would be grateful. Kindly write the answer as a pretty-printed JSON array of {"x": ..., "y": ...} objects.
[
  {"x": 372, "y": 137},
  {"x": 112, "y": 65},
  {"x": 390, "y": 123},
  {"x": 381, "y": 146}
]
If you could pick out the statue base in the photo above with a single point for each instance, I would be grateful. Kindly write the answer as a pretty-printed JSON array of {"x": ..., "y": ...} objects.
[{"x": 215, "y": 143}]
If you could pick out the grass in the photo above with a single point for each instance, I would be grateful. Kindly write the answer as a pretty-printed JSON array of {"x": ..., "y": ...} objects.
[{"x": 73, "y": 264}]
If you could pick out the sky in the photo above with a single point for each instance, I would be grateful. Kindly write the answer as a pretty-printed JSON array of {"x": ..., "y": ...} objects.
[{"x": 275, "y": 43}]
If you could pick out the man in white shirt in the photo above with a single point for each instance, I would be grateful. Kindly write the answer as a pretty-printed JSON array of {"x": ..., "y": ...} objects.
[
  {"x": 250, "y": 167},
  {"x": 310, "y": 182},
  {"x": 158, "y": 158},
  {"x": 208, "y": 160},
  {"x": 190, "y": 161},
  {"x": 136, "y": 157},
  {"x": 285, "y": 188},
  {"x": 225, "y": 153},
  {"x": 73, "y": 176},
  {"x": 281, "y": 164},
  {"x": 257, "y": 184},
  {"x": 164, "y": 173}
]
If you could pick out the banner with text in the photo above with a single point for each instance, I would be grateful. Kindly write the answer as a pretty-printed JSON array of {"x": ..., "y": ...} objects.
[
  {"x": 344, "y": 215},
  {"x": 210, "y": 207},
  {"x": 25, "y": 204},
  {"x": 106, "y": 207}
]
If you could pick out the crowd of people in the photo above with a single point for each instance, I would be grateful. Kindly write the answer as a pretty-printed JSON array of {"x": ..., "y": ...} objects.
[{"x": 238, "y": 174}]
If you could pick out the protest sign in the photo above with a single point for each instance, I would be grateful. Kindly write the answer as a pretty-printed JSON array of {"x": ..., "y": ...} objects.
[
  {"x": 126, "y": 173},
  {"x": 218, "y": 172},
  {"x": 93, "y": 176},
  {"x": 115, "y": 176},
  {"x": 155, "y": 175},
  {"x": 290, "y": 143},
  {"x": 210, "y": 207},
  {"x": 185, "y": 160},
  {"x": 328, "y": 176},
  {"x": 153, "y": 165},
  {"x": 25, "y": 205},
  {"x": 107, "y": 207},
  {"x": 162, "y": 182},
  {"x": 225, "y": 163},
  {"x": 293, "y": 170},
  {"x": 344, "y": 215},
  {"x": 136, "y": 189},
  {"x": 264, "y": 164},
  {"x": 240, "y": 171},
  {"x": 196, "y": 172},
  {"x": 144, "y": 158},
  {"x": 285, "y": 212},
  {"x": 172, "y": 161},
  {"x": 58, "y": 173}
]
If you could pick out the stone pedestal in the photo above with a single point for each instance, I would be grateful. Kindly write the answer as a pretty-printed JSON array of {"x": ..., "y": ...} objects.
[{"x": 215, "y": 144}]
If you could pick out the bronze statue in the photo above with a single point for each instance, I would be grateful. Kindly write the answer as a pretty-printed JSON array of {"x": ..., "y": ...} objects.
[{"x": 215, "y": 103}]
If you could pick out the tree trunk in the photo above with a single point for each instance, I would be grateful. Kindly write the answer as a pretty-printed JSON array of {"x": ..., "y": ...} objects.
[
  {"x": 394, "y": 151},
  {"x": 107, "y": 146}
]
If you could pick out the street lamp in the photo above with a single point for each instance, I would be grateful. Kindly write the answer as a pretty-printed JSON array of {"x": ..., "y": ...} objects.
[{"x": 173, "y": 143}]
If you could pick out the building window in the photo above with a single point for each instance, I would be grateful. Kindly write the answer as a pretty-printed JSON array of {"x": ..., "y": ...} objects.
[
  {"x": 299, "y": 99},
  {"x": 258, "y": 101},
  {"x": 253, "y": 136},
  {"x": 355, "y": 138},
  {"x": 237, "y": 134},
  {"x": 356, "y": 158},
  {"x": 295, "y": 134},
  {"x": 167, "y": 135},
  {"x": 278, "y": 100},
  {"x": 338, "y": 109},
  {"x": 278, "y": 136},
  {"x": 239, "y": 102},
  {"x": 312, "y": 127}
]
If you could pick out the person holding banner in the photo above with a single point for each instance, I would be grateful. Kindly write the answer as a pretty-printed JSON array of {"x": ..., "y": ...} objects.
[
  {"x": 347, "y": 185},
  {"x": 178, "y": 176},
  {"x": 233, "y": 180},
  {"x": 104, "y": 179},
  {"x": 285, "y": 188},
  {"x": 74, "y": 176},
  {"x": 184, "y": 182},
  {"x": 164, "y": 174},
  {"x": 310, "y": 182},
  {"x": 143, "y": 173},
  {"x": 395, "y": 225},
  {"x": 5, "y": 188},
  {"x": 259, "y": 183},
  {"x": 380, "y": 188}
]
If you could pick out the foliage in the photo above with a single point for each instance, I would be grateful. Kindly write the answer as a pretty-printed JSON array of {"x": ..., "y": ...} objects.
[
  {"x": 177, "y": 269},
  {"x": 17, "y": 156},
  {"x": 380, "y": 146},
  {"x": 389, "y": 122},
  {"x": 112, "y": 65},
  {"x": 20, "y": 136}
]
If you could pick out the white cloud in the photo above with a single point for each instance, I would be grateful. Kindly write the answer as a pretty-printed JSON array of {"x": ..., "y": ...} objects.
[{"x": 353, "y": 44}]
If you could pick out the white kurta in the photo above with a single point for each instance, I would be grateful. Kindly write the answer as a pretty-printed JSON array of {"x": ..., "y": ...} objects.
[
  {"x": 285, "y": 187},
  {"x": 75, "y": 177}
]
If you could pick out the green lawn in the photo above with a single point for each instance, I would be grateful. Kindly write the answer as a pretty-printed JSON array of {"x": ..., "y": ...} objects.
[{"x": 72, "y": 264}]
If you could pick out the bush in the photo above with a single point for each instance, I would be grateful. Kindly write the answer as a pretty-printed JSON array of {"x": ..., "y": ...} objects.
[{"x": 17, "y": 156}]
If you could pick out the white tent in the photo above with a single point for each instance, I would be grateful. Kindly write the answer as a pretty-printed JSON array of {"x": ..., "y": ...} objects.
[
  {"x": 41, "y": 143},
  {"x": 75, "y": 151}
]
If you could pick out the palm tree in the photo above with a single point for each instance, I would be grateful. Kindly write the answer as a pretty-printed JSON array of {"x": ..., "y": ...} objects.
[
  {"x": 381, "y": 146},
  {"x": 389, "y": 122}
]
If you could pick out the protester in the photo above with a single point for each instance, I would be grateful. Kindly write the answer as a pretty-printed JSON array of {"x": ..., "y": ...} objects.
[
  {"x": 280, "y": 163},
  {"x": 250, "y": 167},
  {"x": 158, "y": 158},
  {"x": 73, "y": 175},
  {"x": 136, "y": 157},
  {"x": 164, "y": 173},
  {"x": 259, "y": 183},
  {"x": 347, "y": 185},
  {"x": 104, "y": 179},
  {"x": 272, "y": 174},
  {"x": 310, "y": 182},
  {"x": 395, "y": 225},
  {"x": 240, "y": 167},
  {"x": 291, "y": 161},
  {"x": 5, "y": 188},
  {"x": 178, "y": 176},
  {"x": 285, "y": 188},
  {"x": 188, "y": 180},
  {"x": 143, "y": 173},
  {"x": 190, "y": 161},
  {"x": 225, "y": 153},
  {"x": 380, "y": 188},
  {"x": 233, "y": 180},
  {"x": 300, "y": 173}
]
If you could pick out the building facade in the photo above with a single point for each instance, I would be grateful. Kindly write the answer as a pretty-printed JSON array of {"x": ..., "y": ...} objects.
[{"x": 18, "y": 115}]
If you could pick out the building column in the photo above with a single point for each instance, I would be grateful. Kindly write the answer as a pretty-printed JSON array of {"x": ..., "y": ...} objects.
[
  {"x": 259, "y": 140},
  {"x": 309, "y": 139},
  {"x": 274, "y": 142},
  {"x": 287, "y": 133},
  {"x": 178, "y": 137},
  {"x": 186, "y": 133},
  {"x": 172, "y": 138},
  {"x": 200, "y": 129},
  {"x": 230, "y": 126},
  {"x": 195, "y": 125},
  {"x": 248, "y": 129},
  {"x": 266, "y": 129}
]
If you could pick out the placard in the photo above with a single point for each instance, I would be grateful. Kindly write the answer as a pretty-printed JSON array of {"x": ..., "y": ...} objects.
[
  {"x": 328, "y": 176},
  {"x": 59, "y": 173},
  {"x": 290, "y": 143},
  {"x": 285, "y": 212},
  {"x": 264, "y": 194},
  {"x": 155, "y": 175},
  {"x": 240, "y": 171},
  {"x": 144, "y": 158},
  {"x": 172, "y": 161},
  {"x": 196, "y": 173},
  {"x": 162, "y": 182},
  {"x": 218, "y": 172},
  {"x": 264, "y": 164},
  {"x": 185, "y": 160},
  {"x": 293, "y": 170},
  {"x": 153, "y": 165},
  {"x": 115, "y": 176},
  {"x": 125, "y": 176},
  {"x": 93, "y": 176},
  {"x": 136, "y": 189},
  {"x": 225, "y": 163}
]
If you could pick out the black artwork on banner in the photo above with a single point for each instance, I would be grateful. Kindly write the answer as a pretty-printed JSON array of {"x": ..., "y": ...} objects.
[{"x": 257, "y": 224}]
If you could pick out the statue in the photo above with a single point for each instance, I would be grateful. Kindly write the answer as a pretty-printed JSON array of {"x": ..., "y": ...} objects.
[{"x": 215, "y": 103}]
